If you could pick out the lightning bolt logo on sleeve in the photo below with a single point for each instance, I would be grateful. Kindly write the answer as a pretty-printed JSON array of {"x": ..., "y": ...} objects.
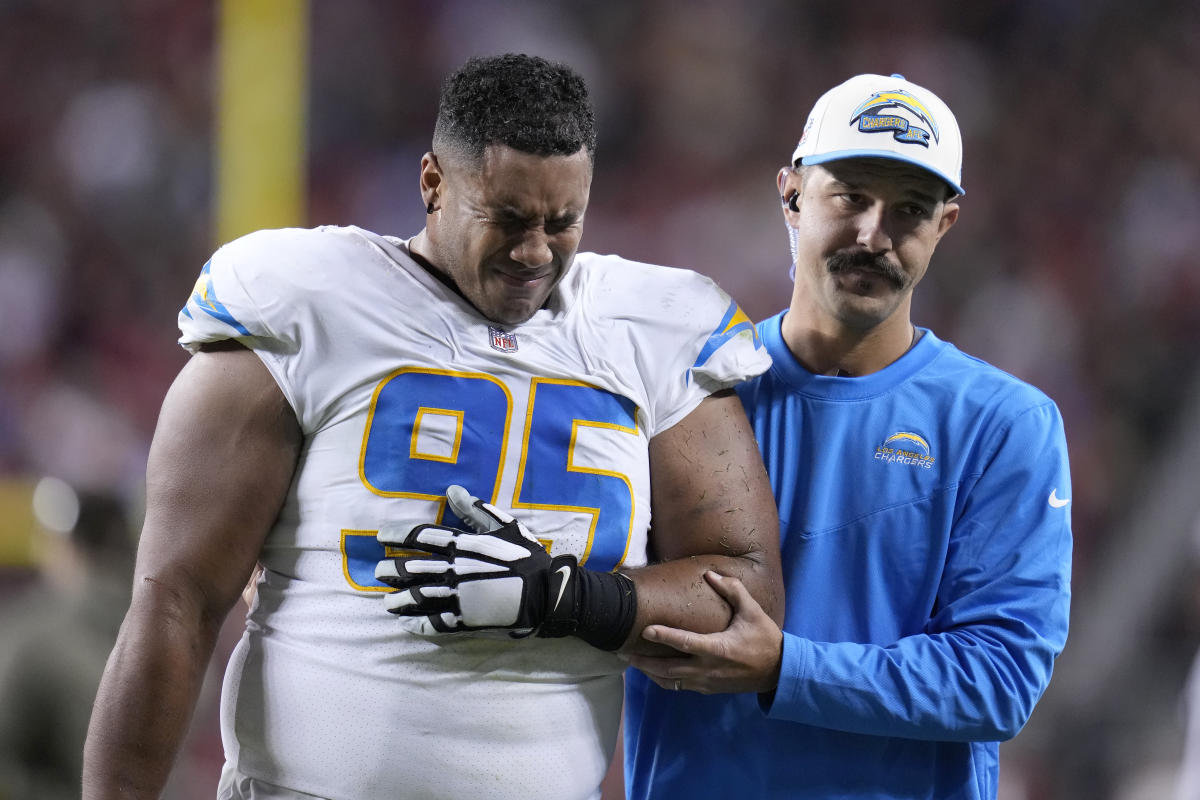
[
  {"x": 204, "y": 297},
  {"x": 733, "y": 323}
]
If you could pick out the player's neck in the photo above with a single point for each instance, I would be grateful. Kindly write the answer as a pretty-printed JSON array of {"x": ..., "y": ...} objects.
[
  {"x": 832, "y": 349},
  {"x": 419, "y": 251}
]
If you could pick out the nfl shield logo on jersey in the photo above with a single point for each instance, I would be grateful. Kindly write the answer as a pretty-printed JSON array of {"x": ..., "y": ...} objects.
[{"x": 503, "y": 341}]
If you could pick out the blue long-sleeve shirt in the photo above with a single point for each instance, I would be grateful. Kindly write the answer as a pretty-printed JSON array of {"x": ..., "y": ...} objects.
[{"x": 925, "y": 523}]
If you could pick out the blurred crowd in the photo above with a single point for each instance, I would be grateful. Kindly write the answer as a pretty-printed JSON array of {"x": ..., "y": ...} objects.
[{"x": 1075, "y": 264}]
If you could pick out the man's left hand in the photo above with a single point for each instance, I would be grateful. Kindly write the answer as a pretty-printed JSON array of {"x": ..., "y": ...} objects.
[{"x": 744, "y": 657}]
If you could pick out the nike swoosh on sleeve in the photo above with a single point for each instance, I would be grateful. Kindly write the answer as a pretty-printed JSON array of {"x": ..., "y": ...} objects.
[{"x": 1056, "y": 501}]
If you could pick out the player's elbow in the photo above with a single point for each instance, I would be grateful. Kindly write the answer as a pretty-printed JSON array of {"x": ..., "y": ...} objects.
[
  {"x": 760, "y": 568},
  {"x": 773, "y": 601},
  {"x": 763, "y": 578}
]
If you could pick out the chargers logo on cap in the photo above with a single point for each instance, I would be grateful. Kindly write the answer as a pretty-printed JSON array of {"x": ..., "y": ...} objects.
[{"x": 871, "y": 121}]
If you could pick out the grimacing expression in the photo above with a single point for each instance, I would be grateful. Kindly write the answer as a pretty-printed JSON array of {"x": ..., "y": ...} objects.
[
  {"x": 866, "y": 230},
  {"x": 507, "y": 225}
]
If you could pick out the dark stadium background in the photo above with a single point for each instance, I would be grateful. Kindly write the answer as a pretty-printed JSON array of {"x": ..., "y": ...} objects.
[{"x": 1075, "y": 264}]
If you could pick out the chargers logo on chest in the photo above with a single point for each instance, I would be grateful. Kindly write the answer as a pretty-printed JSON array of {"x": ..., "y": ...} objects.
[{"x": 904, "y": 447}]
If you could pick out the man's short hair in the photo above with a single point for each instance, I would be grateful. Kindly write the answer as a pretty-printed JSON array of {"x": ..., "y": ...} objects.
[{"x": 521, "y": 101}]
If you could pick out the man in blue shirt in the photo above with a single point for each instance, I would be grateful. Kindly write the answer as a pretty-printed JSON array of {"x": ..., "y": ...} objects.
[{"x": 924, "y": 501}]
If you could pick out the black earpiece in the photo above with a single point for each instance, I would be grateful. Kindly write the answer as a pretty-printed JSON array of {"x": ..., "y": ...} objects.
[
  {"x": 791, "y": 200},
  {"x": 429, "y": 208}
]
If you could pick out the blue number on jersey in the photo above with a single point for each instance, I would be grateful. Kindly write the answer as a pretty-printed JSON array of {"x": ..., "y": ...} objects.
[
  {"x": 549, "y": 477},
  {"x": 394, "y": 461},
  {"x": 428, "y": 429}
]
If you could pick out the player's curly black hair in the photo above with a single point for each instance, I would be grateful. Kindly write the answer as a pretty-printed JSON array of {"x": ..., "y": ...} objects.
[{"x": 522, "y": 101}]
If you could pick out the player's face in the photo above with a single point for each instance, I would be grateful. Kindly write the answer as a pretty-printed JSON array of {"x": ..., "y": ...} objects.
[
  {"x": 866, "y": 231},
  {"x": 507, "y": 228}
]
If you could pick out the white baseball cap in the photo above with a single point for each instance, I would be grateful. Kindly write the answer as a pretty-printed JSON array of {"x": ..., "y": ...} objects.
[{"x": 877, "y": 116}]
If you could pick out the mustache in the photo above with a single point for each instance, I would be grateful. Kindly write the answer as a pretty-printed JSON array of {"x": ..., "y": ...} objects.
[{"x": 871, "y": 262}]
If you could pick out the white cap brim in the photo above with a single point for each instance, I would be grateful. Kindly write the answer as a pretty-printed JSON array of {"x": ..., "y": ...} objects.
[{"x": 843, "y": 154}]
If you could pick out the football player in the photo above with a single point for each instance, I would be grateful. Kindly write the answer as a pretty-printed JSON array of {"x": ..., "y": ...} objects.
[{"x": 360, "y": 412}]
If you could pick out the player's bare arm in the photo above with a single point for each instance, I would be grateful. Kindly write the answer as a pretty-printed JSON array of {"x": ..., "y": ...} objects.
[
  {"x": 220, "y": 466},
  {"x": 728, "y": 639},
  {"x": 713, "y": 510}
]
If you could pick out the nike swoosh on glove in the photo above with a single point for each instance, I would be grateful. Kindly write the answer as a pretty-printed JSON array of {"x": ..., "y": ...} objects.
[{"x": 496, "y": 576}]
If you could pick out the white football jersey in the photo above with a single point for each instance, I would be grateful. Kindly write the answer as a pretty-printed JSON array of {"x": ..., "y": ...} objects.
[{"x": 402, "y": 388}]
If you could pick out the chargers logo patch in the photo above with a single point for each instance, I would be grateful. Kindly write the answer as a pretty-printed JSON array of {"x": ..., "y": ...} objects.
[
  {"x": 869, "y": 119},
  {"x": 503, "y": 341},
  {"x": 204, "y": 297},
  {"x": 903, "y": 447}
]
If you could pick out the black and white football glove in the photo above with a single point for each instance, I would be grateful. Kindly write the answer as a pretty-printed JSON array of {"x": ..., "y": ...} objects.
[{"x": 498, "y": 576}]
